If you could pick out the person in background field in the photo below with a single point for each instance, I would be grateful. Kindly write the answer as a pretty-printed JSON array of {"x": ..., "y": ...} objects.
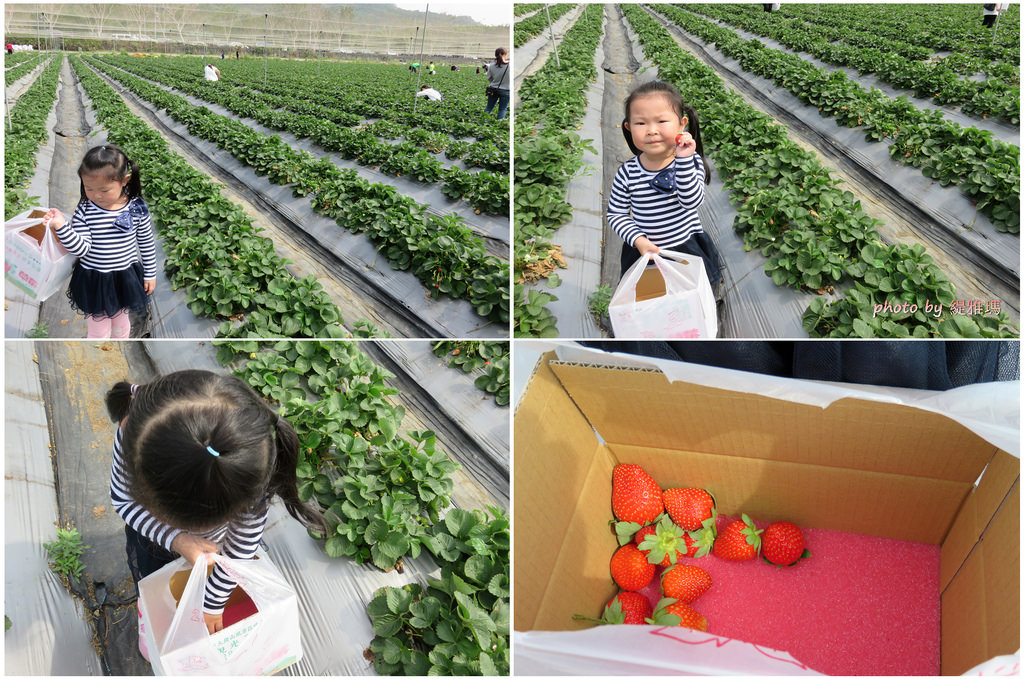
[
  {"x": 988, "y": 14},
  {"x": 655, "y": 194},
  {"x": 498, "y": 83},
  {"x": 211, "y": 73},
  {"x": 110, "y": 230},
  {"x": 10, "y": 48},
  {"x": 197, "y": 459},
  {"x": 429, "y": 92},
  {"x": 238, "y": 54},
  {"x": 221, "y": 55}
]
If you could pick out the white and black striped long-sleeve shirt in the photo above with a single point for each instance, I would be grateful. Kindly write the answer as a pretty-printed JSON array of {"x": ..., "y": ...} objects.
[
  {"x": 635, "y": 208},
  {"x": 237, "y": 539},
  {"x": 101, "y": 246}
]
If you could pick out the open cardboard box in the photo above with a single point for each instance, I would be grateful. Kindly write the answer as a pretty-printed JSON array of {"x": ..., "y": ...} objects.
[
  {"x": 851, "y": 466},
  {"x": 238, "y": 607}
]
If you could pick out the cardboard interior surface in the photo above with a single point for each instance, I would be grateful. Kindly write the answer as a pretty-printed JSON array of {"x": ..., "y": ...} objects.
[
  {"x": 852, "y": 466},
  {"x": 180, "y": 579},
  {"x": 35, "y": 232},
  {"x": 650, "y": 285}
]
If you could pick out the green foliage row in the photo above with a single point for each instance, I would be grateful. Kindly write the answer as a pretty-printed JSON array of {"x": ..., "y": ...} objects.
[
  {"x": 27, "y": 131},
  {"x": 386, "y": 496},
  {"x": 486, "y": 191},
  {"x": 441, "y": 251},
  {"x": 548, "y": 154},
  {"x": 952, "y": 27},
  {"x": 814, "y": 234},
  {"x": 986, "y": 170},
  {"x": 899, "y": 64},
  {"x": 21, "y": 67},
  {"x": 489, "y": 358},
  {"x": 213, "y": 250},
  {"x": 533, "y": 26}
]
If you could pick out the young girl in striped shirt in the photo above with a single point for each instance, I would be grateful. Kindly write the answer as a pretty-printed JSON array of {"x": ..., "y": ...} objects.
[
  {"x": 197, "y": 458},
  {"x": 655, "y": 195},
  {"x": 109, "y": 232}
]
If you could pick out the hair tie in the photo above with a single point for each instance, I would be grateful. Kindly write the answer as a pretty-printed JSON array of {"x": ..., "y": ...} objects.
[
  {"x": 134, "y": 388},
  {"x": 211, "y": 451}
]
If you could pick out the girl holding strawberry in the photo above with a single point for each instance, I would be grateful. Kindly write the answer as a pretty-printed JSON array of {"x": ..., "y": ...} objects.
[{"x": 655, "y": 194}]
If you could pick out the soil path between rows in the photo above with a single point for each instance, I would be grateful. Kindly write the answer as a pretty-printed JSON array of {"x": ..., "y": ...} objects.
[{"x": 75, "y": 377}]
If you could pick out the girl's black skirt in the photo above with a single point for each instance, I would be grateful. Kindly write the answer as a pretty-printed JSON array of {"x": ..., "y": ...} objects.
[{"x": 98, "y": 293}]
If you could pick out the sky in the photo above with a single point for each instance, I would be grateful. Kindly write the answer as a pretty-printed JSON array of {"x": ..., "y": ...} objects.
[{"x": 487, "y": 13}]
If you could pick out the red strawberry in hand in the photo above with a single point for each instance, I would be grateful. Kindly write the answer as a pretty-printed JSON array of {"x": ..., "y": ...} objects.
[
  {"x": 630, "y": 569},
  {"x": 685, "y": 583},
  {"x": 689, "y": 507},
  {"x": 679, "y": 138},
  {"x": 629, "y": 608},
  {"x": 739, "y": 541},
  {"x": 636, "y": 497},
  {"x": 782, "y": 544}
]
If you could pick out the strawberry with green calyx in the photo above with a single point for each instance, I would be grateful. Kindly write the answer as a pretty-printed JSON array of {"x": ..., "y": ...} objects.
[
  {"x": 685, "y": 583},
  {"x": 630, "y": 569},
  {"x": 662, "y": 542},
  {"x": 782, "y": 544},
  {"x": 700, "y": 542},
  {"x": 636, "y": 497},
  {"x": 674, "y": 613},
  {"x": 625, "y": 608},
  {"x": 625, "y": 531},
  {"x": 738, "y": 541},
  {"x": 689, "y": 507}
]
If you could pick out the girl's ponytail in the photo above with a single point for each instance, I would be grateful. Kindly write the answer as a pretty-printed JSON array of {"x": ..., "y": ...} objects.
[
  {"x": 118, "y": 399},
  {"x": 133, "y": 189},
  {"x": 694, "y": 129},
  {"x": 282, "y": 483}
]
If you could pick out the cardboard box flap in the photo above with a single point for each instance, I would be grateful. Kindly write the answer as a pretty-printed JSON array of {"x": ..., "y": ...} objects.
[
  {"x": 548, "y": 481},
  {"x": 642, "y": 408},
  {"x": 977, "y": 512},
  {"x": 981, "y": 605}
]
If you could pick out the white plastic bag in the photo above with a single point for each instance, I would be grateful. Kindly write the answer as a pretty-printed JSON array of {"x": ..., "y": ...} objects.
[
  {"x": 686, "y": 309},
  {"x": 35, "y": 261},
  {"x": 646, "y": 651},
  {"x": 178, "y": 642}
]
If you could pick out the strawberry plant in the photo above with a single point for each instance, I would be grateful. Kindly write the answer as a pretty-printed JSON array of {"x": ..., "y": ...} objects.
[
  {"x": 459, "y": 623},
  {"x": 489, "y": 358},
  {"x": 532, "y": 26},
  {"x": 228, "y": 270},
  {"x": 407, "y": 235},
  {"x": 813, "y": 233},
  {"x": 548, "y": 156},
  {"x": 26, "y": 131}
]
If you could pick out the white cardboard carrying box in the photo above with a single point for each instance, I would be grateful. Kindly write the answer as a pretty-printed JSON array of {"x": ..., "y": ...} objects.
[{"x": 857, "y": 462}]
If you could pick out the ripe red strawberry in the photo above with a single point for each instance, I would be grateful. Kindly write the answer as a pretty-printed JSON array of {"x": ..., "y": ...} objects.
[
  {"x": 687, "y": 616},
  {"x": 685, "y": 583},
  {"x": 679, "y": 138},
  {"x": 689, "y": 507},
  {"x": 661, "y": 542},
  {"x": 739, "y": 541},
  {"x": 782, "y": 544},
  {"x": 630, "y": 568},
  {"x": 636, "y": 497},
  {"x": 629, "y": 608}
]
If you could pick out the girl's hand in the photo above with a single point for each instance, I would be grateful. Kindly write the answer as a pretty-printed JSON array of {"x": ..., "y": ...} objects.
[
  {"x": 54, "y": 219},
  {"x": 644, "y": 245},
  {"x": 149, "y": 285},
  {"x": 214, "y": 623},
  {"x": 685, "y": 145},
  {"x": 193, "y": 547}
]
